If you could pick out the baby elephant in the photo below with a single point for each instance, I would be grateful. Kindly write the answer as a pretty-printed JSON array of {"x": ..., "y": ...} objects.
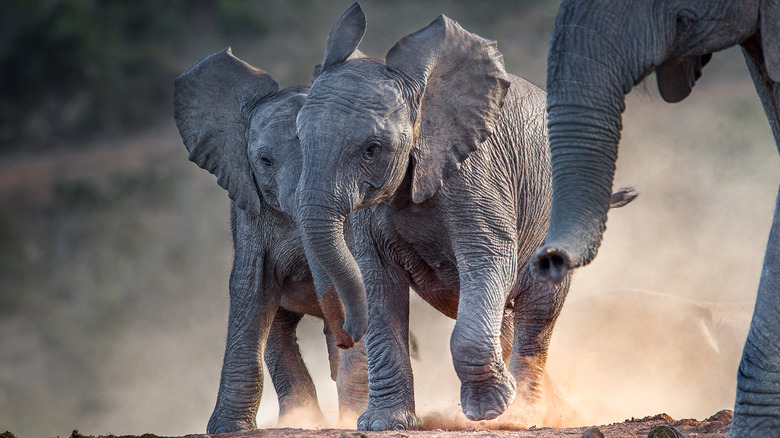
[
  {"x": 238, "y": 125},
  {"x": 438, "y": 159}
]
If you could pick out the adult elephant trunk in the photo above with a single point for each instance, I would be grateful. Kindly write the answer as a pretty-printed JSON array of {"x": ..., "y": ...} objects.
[
  {"x": 322, "y": 226},
  {"x": 586, "y": 86}
]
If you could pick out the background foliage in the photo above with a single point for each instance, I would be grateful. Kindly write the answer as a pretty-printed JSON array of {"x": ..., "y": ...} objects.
[{"x": 71, "y": 68}]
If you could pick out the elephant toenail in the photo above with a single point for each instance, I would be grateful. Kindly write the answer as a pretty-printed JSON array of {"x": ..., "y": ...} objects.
[
  {"x": 378, "y": 425},
  {"x": 491, "y": 414},
  {"x": 471, "y": 415},
  {"x": 399, "y": 426}
]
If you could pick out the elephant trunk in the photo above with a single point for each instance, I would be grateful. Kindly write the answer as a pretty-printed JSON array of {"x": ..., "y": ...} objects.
[
  {"x": 585, "y": 99},
  {"x": 322, "y": 227}
]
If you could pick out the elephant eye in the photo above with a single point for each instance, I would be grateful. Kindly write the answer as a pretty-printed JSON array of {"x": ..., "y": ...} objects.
[
  {"x": 267, "y": 161},
  {"x": 370, "y": 150}
]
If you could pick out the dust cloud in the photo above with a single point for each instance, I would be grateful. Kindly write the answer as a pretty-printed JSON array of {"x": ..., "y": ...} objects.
[{"x": 114, "y": 320}]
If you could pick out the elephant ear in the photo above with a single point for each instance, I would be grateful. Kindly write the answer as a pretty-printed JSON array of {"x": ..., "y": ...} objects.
[
  {"x": 212, "y": 103},
  {"x": 770, "y": 36},
  {"x": 459, "y": 85},
  {"x": 677, "y": 77},
  {"x": 344, "y": 37}
]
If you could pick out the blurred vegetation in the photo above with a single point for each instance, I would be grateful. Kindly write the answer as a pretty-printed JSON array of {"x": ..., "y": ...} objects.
[{"x": 71, "y": 68}]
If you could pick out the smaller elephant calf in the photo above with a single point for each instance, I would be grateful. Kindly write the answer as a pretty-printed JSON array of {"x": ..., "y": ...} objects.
[{"x": 238, "y": 125}]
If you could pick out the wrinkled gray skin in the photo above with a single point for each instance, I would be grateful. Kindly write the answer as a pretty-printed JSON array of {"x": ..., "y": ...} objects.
[
  {"x": 600, "y": 49},
  {"x": 388, "y": 142},
  {"x": 237, "y": 124}
]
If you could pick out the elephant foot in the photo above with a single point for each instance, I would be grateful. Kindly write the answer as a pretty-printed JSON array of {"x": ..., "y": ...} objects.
[
  {"x": 226, "y": 426},
  {"x": 388, "y": 419},
  {"x": 489, "y": 398}
]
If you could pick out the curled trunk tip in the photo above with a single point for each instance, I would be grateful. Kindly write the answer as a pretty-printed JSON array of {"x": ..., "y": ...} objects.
[{"x": 550, "y": 265}]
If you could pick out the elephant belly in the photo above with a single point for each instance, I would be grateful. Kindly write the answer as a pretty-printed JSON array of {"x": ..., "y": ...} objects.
[
  {"x": 435, "y": 279},
  {"x": 298, "y": 296},
  {"x": 420, "y": 243}
]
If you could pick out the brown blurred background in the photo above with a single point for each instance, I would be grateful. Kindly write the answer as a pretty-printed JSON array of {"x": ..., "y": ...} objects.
[{"x": 115, "y": 250}]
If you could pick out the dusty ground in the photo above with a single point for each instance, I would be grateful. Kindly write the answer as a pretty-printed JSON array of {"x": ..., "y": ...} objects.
[{"x": 715, "y": 426}]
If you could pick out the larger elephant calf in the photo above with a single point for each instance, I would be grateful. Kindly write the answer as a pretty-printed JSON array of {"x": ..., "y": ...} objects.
[{"x": 439, "y": 159}]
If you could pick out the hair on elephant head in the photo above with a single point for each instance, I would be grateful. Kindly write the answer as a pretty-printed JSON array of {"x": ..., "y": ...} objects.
[{"x": 599, "y": 50}]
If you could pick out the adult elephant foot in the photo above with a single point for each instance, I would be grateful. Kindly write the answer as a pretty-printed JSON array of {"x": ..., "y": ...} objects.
[
  {"x": 488, "y": 398},
  {"x": 757, "y": 407},
  {"x": 388, "y": 419}
]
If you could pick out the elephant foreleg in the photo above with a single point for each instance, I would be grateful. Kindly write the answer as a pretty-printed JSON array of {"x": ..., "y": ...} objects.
[
  {"x": 293, "y": 384},
  {"x": 390, "y": 381},
  {"x": 757, "y": 407},
  {"x": 252, "y": 309},
  {"x": 487, "y": 388}
]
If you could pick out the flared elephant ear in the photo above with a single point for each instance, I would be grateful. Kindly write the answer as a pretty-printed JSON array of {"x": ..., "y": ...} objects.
[
  {"x": 212, "y": 104},
  {"x": 677, "y": 77},
  {"x": 770, "y": 36},
  {"x": 344, "y": 37},
  {"x": 459, "y": 84}
]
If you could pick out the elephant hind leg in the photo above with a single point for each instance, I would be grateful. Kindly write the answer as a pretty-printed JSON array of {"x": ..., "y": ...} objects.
[
  {"x": 535, "y": 313},
  {"x": 352, "y": 384},
  {"x": 294, "y": 386}
]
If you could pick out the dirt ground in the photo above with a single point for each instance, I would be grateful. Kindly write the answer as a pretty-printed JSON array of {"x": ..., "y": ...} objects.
[{"x": 658, "y": 426}]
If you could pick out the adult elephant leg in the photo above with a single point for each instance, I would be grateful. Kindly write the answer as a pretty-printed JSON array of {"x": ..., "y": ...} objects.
[
  {"x": 536, "y": 310},
  {"x": 253, "y": 305},
  {"x": 757, "y": 407},
  {"x": 390, "y": 381},
  {"x": 293, "y": 384},
  {"x": 352, "y": 383}
]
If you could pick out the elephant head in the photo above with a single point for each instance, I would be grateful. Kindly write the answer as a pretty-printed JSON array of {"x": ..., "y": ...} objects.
[
  {"x": 237, "y": 125},
  {"x": 368, "y": 125},
  {"x": 599, "y": 50}
]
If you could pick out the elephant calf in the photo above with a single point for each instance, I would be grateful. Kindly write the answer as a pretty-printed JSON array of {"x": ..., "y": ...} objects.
[
  {"x": 238, "y": 125},
  {"x": 439, "y": 160}
]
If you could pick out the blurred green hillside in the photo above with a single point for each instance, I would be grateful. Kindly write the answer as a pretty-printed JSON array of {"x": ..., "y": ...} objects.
[{"x": 77, "y": 70}]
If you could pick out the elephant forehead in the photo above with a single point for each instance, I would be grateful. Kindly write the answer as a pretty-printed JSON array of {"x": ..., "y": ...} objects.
[
  {"x": 356, "y": 89},
  {"x": 279, "y": 109}
]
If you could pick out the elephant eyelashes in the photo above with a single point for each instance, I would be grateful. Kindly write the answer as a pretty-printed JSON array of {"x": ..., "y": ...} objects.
[{"x": 370, "y": 150}]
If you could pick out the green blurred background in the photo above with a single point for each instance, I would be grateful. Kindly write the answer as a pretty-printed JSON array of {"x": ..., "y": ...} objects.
[{"x": 115, "y": 250}]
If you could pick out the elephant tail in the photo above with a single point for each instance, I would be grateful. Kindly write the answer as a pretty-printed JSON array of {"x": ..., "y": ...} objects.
[{"x": 622, "y": 197}]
